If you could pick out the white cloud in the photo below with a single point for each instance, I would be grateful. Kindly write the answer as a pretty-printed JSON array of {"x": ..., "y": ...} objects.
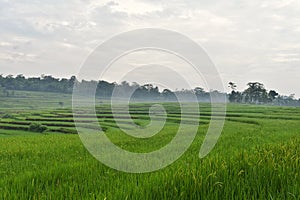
[
  {"x": 134, "y": 7},
  {"x": 5, "y": 44},
  {"x": 242, "y": 37}
]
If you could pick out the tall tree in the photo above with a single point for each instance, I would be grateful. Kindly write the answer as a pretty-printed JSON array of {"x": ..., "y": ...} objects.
[
  {"x": 272, "y": 94},
  {"x": 234, "y": 96},
  {"x": 255, "y": 93}
]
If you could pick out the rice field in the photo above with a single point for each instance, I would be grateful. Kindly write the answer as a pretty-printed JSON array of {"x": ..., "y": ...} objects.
[{"x": 256, "y": 157}]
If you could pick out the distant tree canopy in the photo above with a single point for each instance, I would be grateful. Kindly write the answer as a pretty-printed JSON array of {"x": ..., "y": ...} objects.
[
  {"x": 104, "y": 89},
  {"x": 43, "y": 83},
  {"x": 255, "y": 93}
]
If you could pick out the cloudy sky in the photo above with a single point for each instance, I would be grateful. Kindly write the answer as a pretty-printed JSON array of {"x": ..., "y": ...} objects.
[{"x": 256, "y": 40}]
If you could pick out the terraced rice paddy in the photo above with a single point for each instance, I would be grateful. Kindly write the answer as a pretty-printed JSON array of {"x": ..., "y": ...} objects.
[{"x": 256, "y": 157}]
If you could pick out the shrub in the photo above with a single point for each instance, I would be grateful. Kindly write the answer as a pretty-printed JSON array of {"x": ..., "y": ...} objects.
[
  {"x": 7, "y": 116},
  {"x": 36, "y": 127},
  {"x": 67, "y": 131}
]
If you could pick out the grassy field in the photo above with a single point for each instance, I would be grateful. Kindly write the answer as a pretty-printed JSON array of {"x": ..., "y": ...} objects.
[{"x": 256, "y": 157}]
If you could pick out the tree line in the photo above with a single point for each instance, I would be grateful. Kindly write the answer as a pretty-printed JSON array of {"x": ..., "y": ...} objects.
[
  {"x": 254, "y": 94},
  {"x": 104, "y": 89}
]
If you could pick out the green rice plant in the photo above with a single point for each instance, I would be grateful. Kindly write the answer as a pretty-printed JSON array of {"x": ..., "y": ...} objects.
[{"x": 256, "y": 157}]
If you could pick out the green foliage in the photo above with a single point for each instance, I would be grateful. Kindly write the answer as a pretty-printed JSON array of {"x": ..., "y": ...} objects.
[
  {"x": 36, "y": 127},
  {"x": 8, "y": 116},
  {"x": 257, "y": 157},
  {"x": 44, "y": 83},
  {"x": 67, "y": 131},
  {"x": 254, "y": 94},
  {"x": 34, "y": 100},
  {"x": 257, "y": 94},
  {"x": 48, "y": 83},
  {"x": 236, "y": 97}
]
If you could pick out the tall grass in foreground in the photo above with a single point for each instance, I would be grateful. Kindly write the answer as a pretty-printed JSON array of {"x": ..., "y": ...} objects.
[
  {"x": 256, "y": 157},
  {"x": 59, "y": 167}
]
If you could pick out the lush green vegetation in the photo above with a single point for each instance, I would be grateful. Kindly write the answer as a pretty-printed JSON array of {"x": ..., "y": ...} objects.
[
  {"x": 256, "y": 157},
  {"x": 255, "y": 93}
]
